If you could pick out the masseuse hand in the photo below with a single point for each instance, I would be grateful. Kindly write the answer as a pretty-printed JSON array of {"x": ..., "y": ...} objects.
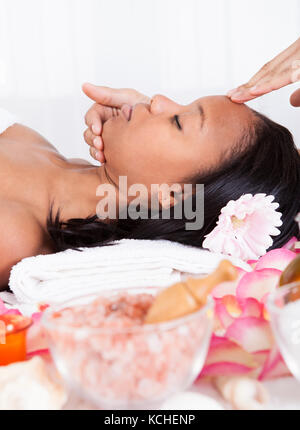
[
  {"x": 279, "y": 72},
  {"x": 109, "y": 103}
]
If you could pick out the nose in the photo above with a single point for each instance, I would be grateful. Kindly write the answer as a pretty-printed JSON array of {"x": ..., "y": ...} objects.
[{"x": 162, "y": 104}]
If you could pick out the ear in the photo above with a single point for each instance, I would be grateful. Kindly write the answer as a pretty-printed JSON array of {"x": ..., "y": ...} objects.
[{"x": 169, "y": 196}]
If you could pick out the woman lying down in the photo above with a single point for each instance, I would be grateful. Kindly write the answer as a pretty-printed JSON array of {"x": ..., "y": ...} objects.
[{"x": 48, "y": 202}]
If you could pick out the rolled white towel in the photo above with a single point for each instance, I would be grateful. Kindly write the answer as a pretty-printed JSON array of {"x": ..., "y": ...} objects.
[{"x": 128, "y": 263}]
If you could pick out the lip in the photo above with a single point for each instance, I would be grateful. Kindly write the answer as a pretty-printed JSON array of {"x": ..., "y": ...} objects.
[
  {"x": 126, "y": 110},
  {"x": 130, "y": 113}
]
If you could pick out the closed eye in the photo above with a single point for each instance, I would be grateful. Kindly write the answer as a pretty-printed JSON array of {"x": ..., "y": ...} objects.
[{"x": 176, "y": 121}]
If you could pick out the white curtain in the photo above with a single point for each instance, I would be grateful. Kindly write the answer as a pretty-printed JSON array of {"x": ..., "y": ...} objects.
[{"x": 181, "y": 48}]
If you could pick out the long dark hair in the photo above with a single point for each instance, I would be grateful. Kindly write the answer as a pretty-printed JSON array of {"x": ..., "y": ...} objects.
[{"x": 265, "y": 161}]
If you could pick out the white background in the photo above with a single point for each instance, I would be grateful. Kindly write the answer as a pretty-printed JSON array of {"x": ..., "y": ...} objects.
[{"x": 181, "y": 48}]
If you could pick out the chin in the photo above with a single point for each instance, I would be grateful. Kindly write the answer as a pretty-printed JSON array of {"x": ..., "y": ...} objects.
[{"x": 109, "y": 136}]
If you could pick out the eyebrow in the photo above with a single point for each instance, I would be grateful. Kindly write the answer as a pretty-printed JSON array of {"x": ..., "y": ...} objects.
[{"x": 202, "y": 114}]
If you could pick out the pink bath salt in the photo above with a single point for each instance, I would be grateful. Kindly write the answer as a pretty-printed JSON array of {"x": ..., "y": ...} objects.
[
  {"x": 113, "y": 357},
  {"x": 116, "y": 312}
]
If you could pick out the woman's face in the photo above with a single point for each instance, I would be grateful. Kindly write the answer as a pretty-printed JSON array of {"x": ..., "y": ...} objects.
[{"x": 166, "y": 142}]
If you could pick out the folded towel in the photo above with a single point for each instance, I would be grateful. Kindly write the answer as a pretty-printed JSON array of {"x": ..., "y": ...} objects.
[
  {"x": 6, "y": 120},
  {"x": 128, "y": 263}
]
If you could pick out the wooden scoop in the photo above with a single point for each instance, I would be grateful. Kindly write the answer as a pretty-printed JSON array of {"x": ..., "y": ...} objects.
[{"x": 186, "y": 297}]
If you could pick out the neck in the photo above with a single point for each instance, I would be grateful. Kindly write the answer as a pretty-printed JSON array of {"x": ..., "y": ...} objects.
[{"x": 74, "y": 191}]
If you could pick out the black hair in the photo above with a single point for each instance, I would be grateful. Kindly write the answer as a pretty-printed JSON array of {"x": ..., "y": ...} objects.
[{"x": 265, "y": 160}]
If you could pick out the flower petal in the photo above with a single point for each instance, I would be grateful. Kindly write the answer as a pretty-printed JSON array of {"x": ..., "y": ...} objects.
[
  {"x": 224, "y": 368},
  {"x": 274, "y": 366},
  {"x": 224, "y": 316},
  {"x": 261, "y": 356},
  {"x": 232, "y": 305},
  {"x": 251, "y": 308},
  {"x": 12, "y": 312},
  {"x": 251, "y": 333},
  {"x": 224, "y": 350},
  {"x": 257, "y": 283},
  {"x": 275, "y": 259},
  {"x": 37, "y": 352},
  {"x": 252, "y": 263},
  {"x": 225, "y": 289},
  {"x": 36, "y": 316},
  {"x": 228, "y": 287}
]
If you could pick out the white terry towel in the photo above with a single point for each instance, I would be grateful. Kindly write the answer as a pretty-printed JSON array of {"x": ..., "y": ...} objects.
[
  {"x": 6, "y": 120},
  {"x": 128, "y": 263}
]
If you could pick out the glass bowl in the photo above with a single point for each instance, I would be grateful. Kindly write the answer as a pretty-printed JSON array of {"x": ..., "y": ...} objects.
[
  {"x": 134, "y": 367},
  {"x": 284, "y": 308}
]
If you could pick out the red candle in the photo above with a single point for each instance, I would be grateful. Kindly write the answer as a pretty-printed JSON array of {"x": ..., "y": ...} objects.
[{"x": 13, "y": 338}]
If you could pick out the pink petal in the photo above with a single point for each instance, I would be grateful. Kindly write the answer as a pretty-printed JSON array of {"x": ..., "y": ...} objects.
[
  {"x": 275, "y": 259},
  {"x": 252, "y": 263},
  {"x": 224, "y": 350},
  {"x": 261, "y": 356},
  {"x": 229, "y": 287},
  {"x": 232, "y": 305},
  {"x": 36, "y": 316},
  {"x": 251, "y": 308},
  {"x": 271, "y": 358},
  {"x": 278, "y": 370},
  {"x": 297, "y": 247},
  {"x": 225, "y": 289},
  {"x": 252, "y": 334},
  {"x": 274, "y": 366},
  {"x": 224, "y": 316},
  {"x": 217, "y": 341},
  {"x": 257, "y": 283},
  {"x": 12, "y": 312},
  {"x": 37, "y": 352},
  {"x": 224, "y": 368}
]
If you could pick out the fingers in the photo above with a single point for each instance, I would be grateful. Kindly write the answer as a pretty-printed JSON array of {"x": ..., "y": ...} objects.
[
  {"x": 258, "y": 88},
  {"x": 114, "y": 97},
  {"x": 245, "y": 92},
  {"x": 248, "y": 91},
  {"x": 97, "y": 155},
  {"x": 93, "y": 140},
  {"x": 275, "y": 74},
  {"x": 295, "y": 98},
  {"x": 96, "y": 145},
  {"x": 109, "y": 102},
  {"x": 241, "y": 94},
  {"x": 93, "y": 120}
]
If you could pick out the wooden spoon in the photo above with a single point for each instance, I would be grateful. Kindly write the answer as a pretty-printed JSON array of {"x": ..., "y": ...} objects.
[{"x": 186, "y": 297}]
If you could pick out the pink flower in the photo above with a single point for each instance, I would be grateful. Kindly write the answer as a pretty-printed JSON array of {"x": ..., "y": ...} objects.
[
  {"x": 242, "y": 342},
  {"x": 5, "y": 311},
  {"x": 245, "y": 227}
]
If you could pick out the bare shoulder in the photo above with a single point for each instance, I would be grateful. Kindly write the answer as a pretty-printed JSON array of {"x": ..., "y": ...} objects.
[
  {"x": 21, "y": 236},
  {"x": 79, "y": 161},
  {"x": 26, "y": 135}
]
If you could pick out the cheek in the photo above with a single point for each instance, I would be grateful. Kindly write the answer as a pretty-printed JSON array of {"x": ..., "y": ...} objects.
[
  {"x": 145, "y": 154},
  {"x": 124, "y": 153}
]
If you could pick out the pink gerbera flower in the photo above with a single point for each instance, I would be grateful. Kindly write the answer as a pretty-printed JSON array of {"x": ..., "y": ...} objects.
[{"x": 245, "y": 227}]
